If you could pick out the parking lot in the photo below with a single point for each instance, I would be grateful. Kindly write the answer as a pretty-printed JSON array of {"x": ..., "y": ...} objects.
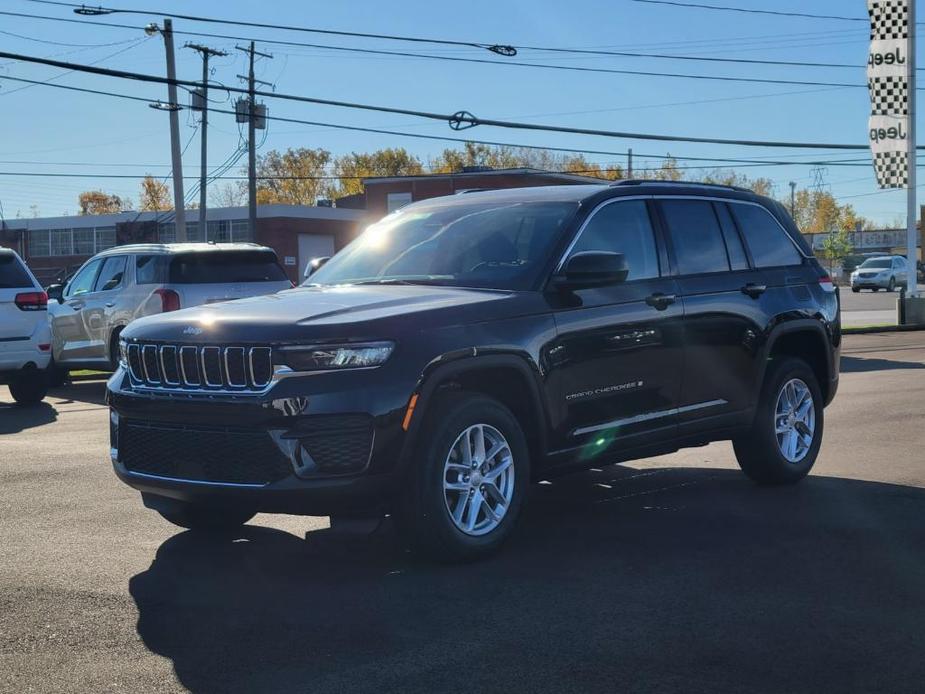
[
  {"x": 670, "y": 574},
  {"x": 868, "y": 308}
]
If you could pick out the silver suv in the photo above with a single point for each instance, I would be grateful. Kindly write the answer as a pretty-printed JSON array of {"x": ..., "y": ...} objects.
[
  {"x": 121, "y": 284},
  {"x": 883, "y": 272}
]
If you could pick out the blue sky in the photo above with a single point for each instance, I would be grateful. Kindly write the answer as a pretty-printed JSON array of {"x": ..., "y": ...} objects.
[{"x": 50, "y": 130}]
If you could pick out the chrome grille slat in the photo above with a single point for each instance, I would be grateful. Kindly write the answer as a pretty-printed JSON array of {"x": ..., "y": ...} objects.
[{"x": 206, "y": 369}]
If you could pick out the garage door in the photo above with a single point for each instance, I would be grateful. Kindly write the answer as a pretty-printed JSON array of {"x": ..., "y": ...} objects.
[{"x": 314, "y": 246}]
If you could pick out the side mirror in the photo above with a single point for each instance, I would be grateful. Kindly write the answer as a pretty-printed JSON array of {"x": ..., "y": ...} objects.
[
  {"x": 592, "y": 269},
  {"x": 55, "y": 292},
  {"x": 314, "y": 265}
]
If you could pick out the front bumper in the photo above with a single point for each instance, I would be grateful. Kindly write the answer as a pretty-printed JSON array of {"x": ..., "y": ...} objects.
[
  {"x": 870, "y": 282},
  {"x": 314, "y": 445}
]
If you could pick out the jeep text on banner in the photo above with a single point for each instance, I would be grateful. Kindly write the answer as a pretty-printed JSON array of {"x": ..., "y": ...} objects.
[{"x": 889, "y": 90}]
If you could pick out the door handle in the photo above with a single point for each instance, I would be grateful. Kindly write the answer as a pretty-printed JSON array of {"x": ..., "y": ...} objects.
[
  {"x": 754, "y": 290},
  {"x": 661, "y": 301},
  {"x": 76, "y": 305},
  {"x": 110, "y": 304}
]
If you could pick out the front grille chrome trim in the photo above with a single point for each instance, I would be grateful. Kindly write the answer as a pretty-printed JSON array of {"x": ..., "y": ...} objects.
[{"x": 207, "y": 370}]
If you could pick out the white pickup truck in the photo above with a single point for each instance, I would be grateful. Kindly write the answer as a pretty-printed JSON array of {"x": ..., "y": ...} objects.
[{"x": 25, "y": 336}]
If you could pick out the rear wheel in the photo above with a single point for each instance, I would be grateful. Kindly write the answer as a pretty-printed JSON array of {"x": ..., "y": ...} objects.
[
  {"x": 467, "y": 488},
  {"x": 56, "y": 376},
  {"x": 891, "y": 287},
  {"x": 784, "y": 440},
  {"x": 206, "y": 518},
  {"x": 856, "y": 290},
  {"x": 29, "y": 387}
]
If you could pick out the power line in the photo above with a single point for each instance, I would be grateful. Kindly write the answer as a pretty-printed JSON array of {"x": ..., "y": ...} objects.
[
  {"x": 443, "y": 138},
  {"x": 460, "y": 120},
  {"x": 69, "y": 45},
  {"x": 724, "y": 8}
]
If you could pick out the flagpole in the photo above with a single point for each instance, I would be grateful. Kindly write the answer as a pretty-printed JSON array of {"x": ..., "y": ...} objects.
[{"x": 911, "y": 211}]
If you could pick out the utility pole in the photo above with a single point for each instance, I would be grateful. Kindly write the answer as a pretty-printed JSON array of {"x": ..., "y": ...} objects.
[
  {"x": 251, "y": 140},
  {"x": 911, "y": 235},
  {"x": 793, "y": 204},
  {"x": 176, "y": 160},
  {"x": 629, "y": 163},
  {"x": 206, "y": 53}
]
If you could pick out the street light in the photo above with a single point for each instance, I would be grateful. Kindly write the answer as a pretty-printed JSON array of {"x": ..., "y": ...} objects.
[
  {"x": 152, "y": 29},
  {"x": 92, "y": 11}
]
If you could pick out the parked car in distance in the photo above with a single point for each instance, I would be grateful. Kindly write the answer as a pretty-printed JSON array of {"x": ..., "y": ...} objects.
[
  {"x": 25, "y": 339},
  {"x": 124, "y": 283},
  {"x": 883, "y": 272},
  {"x": 466, "y": 345}
]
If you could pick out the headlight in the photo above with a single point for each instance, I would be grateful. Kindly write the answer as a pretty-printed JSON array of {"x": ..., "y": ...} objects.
[
  {"x": 326, "y": 357},
  {"x": 123, "y": 354}
]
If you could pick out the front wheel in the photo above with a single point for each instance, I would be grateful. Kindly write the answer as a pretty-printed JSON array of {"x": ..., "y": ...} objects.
[
  {"x": 469, "y": 480},
  {"x": 784, "y": 439},
  {"x": 856, "y": 290},
  {"x": 205, "y": 518},
  {"x": 891, "y": 287}
]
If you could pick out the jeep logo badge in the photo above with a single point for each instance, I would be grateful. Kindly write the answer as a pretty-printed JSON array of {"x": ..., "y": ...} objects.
[{"x": 192, "y": 330}]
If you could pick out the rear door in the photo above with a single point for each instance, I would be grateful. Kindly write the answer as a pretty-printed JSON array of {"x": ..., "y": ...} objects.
[
  {"x": 615, "y": 366},
  {"x": 205, "y": 277},
  {"x": 721, "y": 294},
  {"x": 101, "y": 304},
  {"x": 16, "y": 325},
  {"x": 71, "y": 342}
]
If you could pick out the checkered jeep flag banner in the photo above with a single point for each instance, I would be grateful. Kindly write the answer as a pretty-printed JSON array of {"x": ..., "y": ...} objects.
[{"x": 889, "y": 90}]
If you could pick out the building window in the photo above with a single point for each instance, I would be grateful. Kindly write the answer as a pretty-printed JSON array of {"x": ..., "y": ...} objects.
[
  {"x": 192, "y": 232},
  {"x": 397, "y": 200},
  {"x": 105, "y": 238},
  {"x": 38, "y": 243},
  {"x": 83, "y": 242},
  {"x": 166, "y": 233},
  {"x": 219, "y": 231},
  {"x": 61, "y": 242},
  {"x": 241, "y": 230}
]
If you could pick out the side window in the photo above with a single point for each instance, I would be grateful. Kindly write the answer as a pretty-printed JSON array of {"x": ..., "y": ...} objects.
[
  {"x": 696, "y": 236},
  {"x": 147, "y": 270},
  {"x": 82, "y": 283},
  {"x": 623, "y": 227},
  {"x": 769, "y": 243},
  {"x": 112, "y": 273},
  {"x": 737, "y": 258}
]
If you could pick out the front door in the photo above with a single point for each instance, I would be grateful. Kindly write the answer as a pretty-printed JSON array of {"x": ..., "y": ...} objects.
[
  {"x": 615, "y": 366},
  {"x": 69, "y": 334}
]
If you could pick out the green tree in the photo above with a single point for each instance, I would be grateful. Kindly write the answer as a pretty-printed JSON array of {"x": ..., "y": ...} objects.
[{"x": 836, "y": 247}]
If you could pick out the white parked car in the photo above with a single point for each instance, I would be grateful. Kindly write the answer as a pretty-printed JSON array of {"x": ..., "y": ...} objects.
[
  {"x": 25, "y": 338},
  {"x": 884, "y": 272},
  {"x": 123, "y": 283}
]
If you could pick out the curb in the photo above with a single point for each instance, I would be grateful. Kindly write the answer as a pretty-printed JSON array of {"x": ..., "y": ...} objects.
[{"x": 873, "y": 329}]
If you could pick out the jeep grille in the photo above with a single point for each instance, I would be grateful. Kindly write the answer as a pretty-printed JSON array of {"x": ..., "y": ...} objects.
[{"x": 200, "y": 368}]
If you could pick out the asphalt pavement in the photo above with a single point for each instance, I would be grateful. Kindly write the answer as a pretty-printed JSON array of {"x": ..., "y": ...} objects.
[
  {"x": 867, "y": 308},
  {"x": 669, "y": 574}
]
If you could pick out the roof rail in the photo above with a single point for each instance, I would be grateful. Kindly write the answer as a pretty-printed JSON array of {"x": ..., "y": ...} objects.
[{"x": 689, "y": 184}]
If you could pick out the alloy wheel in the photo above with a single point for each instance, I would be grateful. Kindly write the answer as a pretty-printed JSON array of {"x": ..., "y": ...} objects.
[
  {"x": 478, "y": 479},
  {"x": 795, "y": 420}
]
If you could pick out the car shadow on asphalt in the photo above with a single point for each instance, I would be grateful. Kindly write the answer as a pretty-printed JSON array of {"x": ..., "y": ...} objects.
[
  {"x": 616, "y": 580},
  {"x": 15, "y": 418},
  {"x": 92, "y": 392},
  {"x": 862, "y": 365}
]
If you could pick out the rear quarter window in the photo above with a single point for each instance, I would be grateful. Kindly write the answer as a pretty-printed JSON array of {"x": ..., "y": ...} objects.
[
  {"x": 12, "y": 274},
  {"x": 225, "y": 267},
  {"x": 770, "y": 245}
]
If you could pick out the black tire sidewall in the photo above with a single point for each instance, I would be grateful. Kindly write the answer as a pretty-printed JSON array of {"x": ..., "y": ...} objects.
[
  {"x": 424, "y": 513},
  {"x": 777, "y": 469},
  {"x": 29, "y": 388}
]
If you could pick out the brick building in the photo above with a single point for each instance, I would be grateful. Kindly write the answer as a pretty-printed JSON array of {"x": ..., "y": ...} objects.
[{"x": 55, "y": 246}]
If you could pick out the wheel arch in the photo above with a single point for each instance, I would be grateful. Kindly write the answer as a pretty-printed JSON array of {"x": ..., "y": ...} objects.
[
  {"x": 511, "y": 379},
  {"x": 806, "y": 339}
]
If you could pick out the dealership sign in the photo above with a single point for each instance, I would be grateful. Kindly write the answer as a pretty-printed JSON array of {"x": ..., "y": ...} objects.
[{"x": 888, "y": 83}]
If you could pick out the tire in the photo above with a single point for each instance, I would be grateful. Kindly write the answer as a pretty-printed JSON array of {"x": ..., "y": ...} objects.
[
  {"x": 205, "y": 518},
  {"x": 424, "y": 516},
  {"x": 891, "y": 287},
  {"x": 29, "y": 388},
  {"x": 759, "y": 452},
  {"x": 856, "y": 290},
  {"x": 56, "y": 376}
]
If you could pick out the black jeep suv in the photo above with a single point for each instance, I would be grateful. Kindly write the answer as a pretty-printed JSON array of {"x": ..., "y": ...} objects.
[{"x": 465, "y": 345}]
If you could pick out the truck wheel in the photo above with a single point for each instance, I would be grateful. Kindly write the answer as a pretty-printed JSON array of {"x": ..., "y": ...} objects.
[
  {"x": 197, "y": 517},
  {"x": 469, "y": 480},
  {"x": 29, "y": 387},
  {"x": 784, "y": 440}
]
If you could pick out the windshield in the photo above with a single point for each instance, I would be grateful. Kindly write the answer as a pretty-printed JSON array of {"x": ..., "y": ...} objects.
[
  {"x": 486, "y": 245},
  {"x": 877, "y": 262}
]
